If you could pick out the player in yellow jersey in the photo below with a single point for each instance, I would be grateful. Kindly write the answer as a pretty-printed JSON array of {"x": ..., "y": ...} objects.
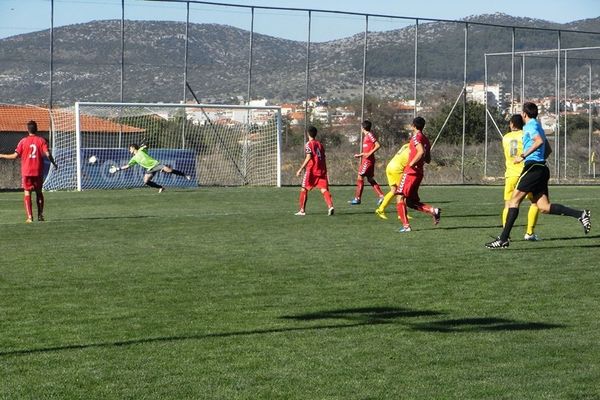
[
  {"x": 394, "y": 171},
  {"x": 512, "y": 143}
]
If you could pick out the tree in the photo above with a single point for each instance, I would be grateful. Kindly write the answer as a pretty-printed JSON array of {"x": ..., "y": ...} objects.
[{"x": 474, "y": 123}]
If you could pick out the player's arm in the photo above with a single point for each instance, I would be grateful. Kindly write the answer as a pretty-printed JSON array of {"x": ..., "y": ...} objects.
[
  {"x": 420, "y": 151},
  {"x": 376, "y": 147},
  {"x": 537, "y": 142},
  {"x": 49, "y": 157},
  {"x": 12, "y": 156},
  {"x": 304, "y": 163}
]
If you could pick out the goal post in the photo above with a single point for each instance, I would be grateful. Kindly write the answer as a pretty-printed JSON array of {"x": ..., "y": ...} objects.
[{"x": 217, "y": 145}]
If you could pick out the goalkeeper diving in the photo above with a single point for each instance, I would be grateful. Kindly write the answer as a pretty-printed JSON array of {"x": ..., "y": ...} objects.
[{"x": 151, "y": 165}]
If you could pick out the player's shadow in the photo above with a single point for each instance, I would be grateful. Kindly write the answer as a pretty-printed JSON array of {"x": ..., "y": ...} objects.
[
  {"x": 364, "y": 315},
  {"x": 561, "y": 238},
  {"x": 467, "y": 325},
  {"x": 458, "y": 227},
  {"x": 539, "y": 246},
  {"x": 469, "y": 216},
  {"x": 107, "y": 217}
]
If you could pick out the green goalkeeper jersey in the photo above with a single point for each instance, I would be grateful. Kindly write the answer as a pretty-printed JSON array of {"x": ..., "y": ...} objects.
[{"x": 143, "y": 159}]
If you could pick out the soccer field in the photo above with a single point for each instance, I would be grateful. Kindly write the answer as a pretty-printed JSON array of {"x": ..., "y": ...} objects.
[{"x": 222, "y": 293}]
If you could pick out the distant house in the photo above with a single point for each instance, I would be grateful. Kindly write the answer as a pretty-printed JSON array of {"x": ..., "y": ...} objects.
[{"x": 14, "y": 118}]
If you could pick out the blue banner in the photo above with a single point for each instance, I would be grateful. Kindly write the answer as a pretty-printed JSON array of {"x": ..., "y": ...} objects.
[{"x": 97, "y": 176}]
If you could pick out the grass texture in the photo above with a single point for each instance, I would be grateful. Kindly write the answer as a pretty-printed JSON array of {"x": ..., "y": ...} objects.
[{"x": 222, "y": 293}]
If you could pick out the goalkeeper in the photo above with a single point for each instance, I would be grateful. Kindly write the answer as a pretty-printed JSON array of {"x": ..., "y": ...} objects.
[{"x": 152, "y": 166}]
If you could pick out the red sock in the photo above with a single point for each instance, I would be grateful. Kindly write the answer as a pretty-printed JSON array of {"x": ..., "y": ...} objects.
[
  {"x": 360, "y": 184},
  {"x": 328, "y": 199},
  {"x": 39, "y": 197},
  {"x": 27, "y": 201},
  {"x": 303, "y": 196},
  {"x": 401, "y": 208},
  {"x": 426, "y": 208},
  {"x": 378, "y": 190}
]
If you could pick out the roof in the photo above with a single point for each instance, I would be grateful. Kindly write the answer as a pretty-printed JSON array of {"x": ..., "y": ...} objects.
[{"x": 14, "y": 118}]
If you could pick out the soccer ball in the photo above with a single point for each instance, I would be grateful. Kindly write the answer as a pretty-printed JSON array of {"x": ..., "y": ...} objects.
[{"x": 93, "y": 159}]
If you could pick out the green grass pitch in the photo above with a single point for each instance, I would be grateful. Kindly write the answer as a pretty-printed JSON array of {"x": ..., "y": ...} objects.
[{"x": 222, "y": 293}]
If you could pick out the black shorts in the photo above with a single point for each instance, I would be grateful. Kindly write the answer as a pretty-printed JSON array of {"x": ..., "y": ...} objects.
[{"x": 534, "y": 179}]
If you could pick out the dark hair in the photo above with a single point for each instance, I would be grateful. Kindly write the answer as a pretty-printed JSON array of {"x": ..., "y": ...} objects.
[
  {"x": 366, "y": 125},
  {"x": 419, "y": 123},
  {"x": 517, "y": 121},
  {"x": 32, "y": 126},
  {"x": 312, "y": 131},
  {"x": 530, "y": 109},
  {"x": 135, "y": 146}
]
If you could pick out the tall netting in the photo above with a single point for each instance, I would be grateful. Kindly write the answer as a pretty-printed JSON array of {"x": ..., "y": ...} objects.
[{"x": 214, "y": 144}]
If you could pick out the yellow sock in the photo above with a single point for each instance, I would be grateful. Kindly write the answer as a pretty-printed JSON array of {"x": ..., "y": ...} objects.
[
  {"x": 532, "y": 217},
  {"x": 387, "y": 199}
]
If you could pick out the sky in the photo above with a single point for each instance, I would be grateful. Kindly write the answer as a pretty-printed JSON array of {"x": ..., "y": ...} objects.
[{"x": 24, "y": 16}]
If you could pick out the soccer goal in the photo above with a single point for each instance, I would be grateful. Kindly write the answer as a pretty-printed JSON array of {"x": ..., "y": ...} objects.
[{"x": 217, "y": 145}]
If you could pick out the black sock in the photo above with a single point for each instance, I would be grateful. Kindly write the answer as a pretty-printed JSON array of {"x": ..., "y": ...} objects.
[
  {"x": 154, "y": 185},
  {"x": 559, "y": 209},
  {"x": 177, "y": 172},
  {"x": 511, "y": 217}
]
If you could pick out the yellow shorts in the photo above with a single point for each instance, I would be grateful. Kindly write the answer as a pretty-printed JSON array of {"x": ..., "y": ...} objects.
[
  {"x": 510, "y": 185},
  {"x": 393, "y": 177}
]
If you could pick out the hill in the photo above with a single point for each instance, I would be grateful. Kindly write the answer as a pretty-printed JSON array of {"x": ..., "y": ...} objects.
[{"x": 87, "y": 60}]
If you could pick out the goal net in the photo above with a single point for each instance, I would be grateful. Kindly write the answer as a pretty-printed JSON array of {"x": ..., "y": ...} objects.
[{"x": 217, "y": 145}]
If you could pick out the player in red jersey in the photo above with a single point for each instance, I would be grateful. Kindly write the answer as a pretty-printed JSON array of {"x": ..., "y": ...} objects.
[
  {"x": 367, "y": 165},
  {"x": 408, "y": 190},
  {"x": 31, "y": 149},
  {"x": 315, "y": 174}
]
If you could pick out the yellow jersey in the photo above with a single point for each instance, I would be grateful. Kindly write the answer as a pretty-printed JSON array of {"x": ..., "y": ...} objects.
[
  {"x": 512, "y": 143},
  {"x": 399, "y": 161}
]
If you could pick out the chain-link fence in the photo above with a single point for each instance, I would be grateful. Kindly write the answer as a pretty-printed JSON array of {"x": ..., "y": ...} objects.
[{"x": 332, "y": 70}]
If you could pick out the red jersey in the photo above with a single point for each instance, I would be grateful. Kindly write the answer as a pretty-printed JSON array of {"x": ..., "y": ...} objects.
[
  {"x": 368, "y": 145},
  {"x": 316, "y": 166},
  {"x": 415, "y": 139},
  {"x": 32, "y": 149}
]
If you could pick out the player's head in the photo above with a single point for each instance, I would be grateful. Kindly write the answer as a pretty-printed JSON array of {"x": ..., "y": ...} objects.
[
  {"x": 312, "y": 131},
  {"x": 530, "y": 109},
  {"x": 366, "y": 125},
  {"x": 32, "y": 127},
  {"x": 133, "y": 148},
  {"x": 419, "y": 123},
  {"x": 516, "y": 122}
]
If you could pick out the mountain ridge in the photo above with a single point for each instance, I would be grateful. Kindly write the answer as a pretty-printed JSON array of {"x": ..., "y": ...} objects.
[{"x": 218, "y": 60}]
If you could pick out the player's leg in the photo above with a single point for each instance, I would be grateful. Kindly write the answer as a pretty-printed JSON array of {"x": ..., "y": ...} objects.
[
  {"x": 402, "y": 213},
  {"x": 28, "y": 186},
  {"x": 376, "y": 188},
  {"x": 27, "y": 204},
  {"x": 509, "y": 186},
  {"x": 360, "y": 184},
  {"x": 393, "y": 178},
  {"x": 170, "y": 170},
  {"x": 511, "y": 217},
  {"x": 584, "y": 216},
  {"x": 435, "y": 212},
  {"x": 39, "y": 199},
  {"x": 403, "y": 191},
  {"x": 148, "y": 182},
  {"x": 532, "y": 217},
  {"x": 326, "y": 196},
  {"x": 302, "y": 201}
]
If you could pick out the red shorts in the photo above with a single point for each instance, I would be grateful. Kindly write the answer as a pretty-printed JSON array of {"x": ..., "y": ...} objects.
[
  {"x": 409, "y": 186},
  {"x": 366, "y": 168},
  {"x": 32, "y": 182},
  {"x": 311, "y": 181}
]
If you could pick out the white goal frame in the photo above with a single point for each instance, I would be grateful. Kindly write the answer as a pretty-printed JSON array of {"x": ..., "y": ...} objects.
[{"x": 271, "y": 113}]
